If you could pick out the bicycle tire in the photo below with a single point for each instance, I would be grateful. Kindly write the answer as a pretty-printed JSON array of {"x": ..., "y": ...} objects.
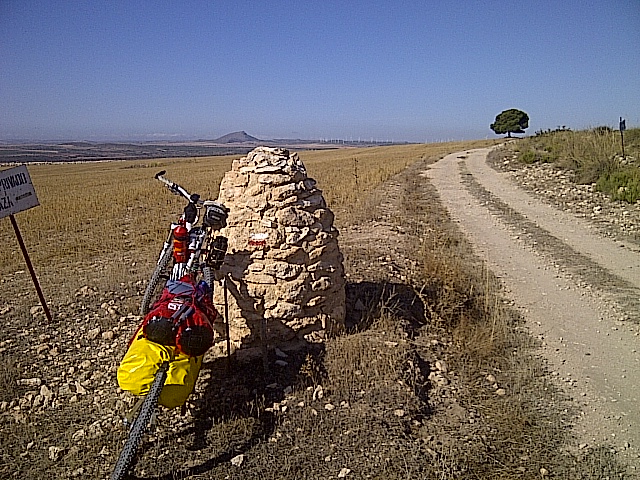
[
  {"x": 152, "y": 292},
  {"x": 140, "y": 424}
]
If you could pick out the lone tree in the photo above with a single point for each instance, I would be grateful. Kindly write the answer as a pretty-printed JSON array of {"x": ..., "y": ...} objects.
[{"x": 510, "y": 121}]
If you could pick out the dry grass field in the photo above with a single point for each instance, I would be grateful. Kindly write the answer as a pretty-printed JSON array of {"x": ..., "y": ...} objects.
[
  {"x": 91, "y": 209},
  {"x": 408, "y": 392}
]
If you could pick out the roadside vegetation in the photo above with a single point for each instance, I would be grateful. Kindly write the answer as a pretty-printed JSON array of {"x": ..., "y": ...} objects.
[{"x": 594, "y": 156}]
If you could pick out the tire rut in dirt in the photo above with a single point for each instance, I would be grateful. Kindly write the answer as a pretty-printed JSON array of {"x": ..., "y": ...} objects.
[{"x": 613, "y": 287}]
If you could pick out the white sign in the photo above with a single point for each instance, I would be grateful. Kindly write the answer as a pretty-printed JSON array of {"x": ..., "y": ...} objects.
[{"x": 16, "y": 191}]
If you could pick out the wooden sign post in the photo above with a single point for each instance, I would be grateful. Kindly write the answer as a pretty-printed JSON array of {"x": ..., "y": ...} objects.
[
  {"x": 16, "y": 195},
  {"x": 623, "y": 127}
]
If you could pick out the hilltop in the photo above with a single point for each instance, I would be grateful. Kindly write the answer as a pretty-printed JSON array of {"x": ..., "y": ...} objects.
[{"x": 237, "y": 137}]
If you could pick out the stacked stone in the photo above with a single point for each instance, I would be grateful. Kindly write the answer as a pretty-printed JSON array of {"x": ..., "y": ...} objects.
[{"x": 283, "y": 267}]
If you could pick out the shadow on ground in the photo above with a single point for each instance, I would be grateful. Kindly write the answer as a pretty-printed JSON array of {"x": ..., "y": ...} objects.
[{"x": 235, "y": 411}]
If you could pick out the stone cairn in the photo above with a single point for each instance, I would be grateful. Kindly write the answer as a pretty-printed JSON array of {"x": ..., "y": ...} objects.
[{"x": 283, "y": 268}]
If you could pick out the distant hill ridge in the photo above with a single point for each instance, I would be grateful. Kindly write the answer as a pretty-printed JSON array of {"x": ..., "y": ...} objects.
[{"x": 236, "y": 137}]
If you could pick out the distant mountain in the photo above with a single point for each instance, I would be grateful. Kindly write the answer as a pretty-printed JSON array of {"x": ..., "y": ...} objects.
[{"x": 236, "y": 137}]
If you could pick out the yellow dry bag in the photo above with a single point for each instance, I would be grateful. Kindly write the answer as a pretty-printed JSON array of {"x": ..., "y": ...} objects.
[{"x": 142, "y": 361}]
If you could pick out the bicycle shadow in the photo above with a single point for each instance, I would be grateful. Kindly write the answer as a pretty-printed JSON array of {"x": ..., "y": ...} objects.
[{"x": 235, "y": 411}]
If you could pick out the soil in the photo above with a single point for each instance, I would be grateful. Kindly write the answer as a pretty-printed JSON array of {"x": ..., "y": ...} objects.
[{"x": 561, "y": 404}]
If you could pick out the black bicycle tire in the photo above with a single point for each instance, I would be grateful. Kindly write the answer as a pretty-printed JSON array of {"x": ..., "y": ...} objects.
[
  {"x": 154, "y": 282},
  {"x": 140, "y": 424}
]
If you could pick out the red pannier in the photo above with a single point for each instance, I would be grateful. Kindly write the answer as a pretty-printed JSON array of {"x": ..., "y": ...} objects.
[{"x": 183, "y": 317}]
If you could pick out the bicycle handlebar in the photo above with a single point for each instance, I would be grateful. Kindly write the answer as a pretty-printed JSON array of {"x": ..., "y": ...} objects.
[{"x": 178, "y": 190}]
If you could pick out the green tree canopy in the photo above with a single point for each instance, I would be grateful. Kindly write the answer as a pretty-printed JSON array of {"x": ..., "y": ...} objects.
[{"x": 510, "y": 121}]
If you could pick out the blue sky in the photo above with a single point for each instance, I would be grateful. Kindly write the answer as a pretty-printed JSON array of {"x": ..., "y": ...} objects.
[{"x": 421, "y": 71}]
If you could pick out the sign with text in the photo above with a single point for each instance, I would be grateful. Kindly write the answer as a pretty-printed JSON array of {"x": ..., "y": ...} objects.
[{"x": 16, "y": 191}]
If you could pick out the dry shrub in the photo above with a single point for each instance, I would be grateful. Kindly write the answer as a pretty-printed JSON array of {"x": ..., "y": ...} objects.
[
  {"x": 590, "y": 154},
  {"x": 356, "y": 362},
  {"x": 480, "y": 339},
  {"x": 447, "y": 288}
]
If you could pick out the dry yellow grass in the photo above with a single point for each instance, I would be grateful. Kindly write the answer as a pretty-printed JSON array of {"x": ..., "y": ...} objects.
[
  {"x": 347, "y": 175},
  {"x": 90, "y": 209}
]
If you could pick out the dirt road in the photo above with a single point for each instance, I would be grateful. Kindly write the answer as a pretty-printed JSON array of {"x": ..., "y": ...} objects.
[{"x": 577, "y": 291}]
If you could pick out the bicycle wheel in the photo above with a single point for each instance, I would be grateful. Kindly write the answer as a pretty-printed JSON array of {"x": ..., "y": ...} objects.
[
  {"x": 140, "y": 424},
  {"x": 156, "y": 282}
]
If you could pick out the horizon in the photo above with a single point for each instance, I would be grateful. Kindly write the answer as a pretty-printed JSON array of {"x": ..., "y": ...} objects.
[
  {"x": 422, "y": 72},
  {"x": 150, "y": 139}
]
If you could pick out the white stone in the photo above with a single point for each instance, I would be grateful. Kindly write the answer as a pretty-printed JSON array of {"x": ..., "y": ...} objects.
[
  {"x": 108, "y": 335},
  {"x": 323, "y": 283},
  {"x": 30, "y": 382},
  {"x": 55, "y": 452},
  {"x": 283, "y": 270},
  {"x": 293, "y": 217},
  {"x": 46, "y": 392},
  {"x": 344, "y": 472},
  {"x": 318, "y": 393}
]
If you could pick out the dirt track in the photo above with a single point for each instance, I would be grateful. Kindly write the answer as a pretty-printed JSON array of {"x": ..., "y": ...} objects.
[{"x": 577, "y": 291}]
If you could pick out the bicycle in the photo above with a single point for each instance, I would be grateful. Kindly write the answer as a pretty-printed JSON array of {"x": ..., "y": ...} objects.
[
  {"x": 193, "y": 249},
  {"x": 195, "y": 252}
]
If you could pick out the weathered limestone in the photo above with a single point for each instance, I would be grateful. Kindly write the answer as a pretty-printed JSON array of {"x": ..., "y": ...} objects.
[{"x": 283, "y": 266}]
